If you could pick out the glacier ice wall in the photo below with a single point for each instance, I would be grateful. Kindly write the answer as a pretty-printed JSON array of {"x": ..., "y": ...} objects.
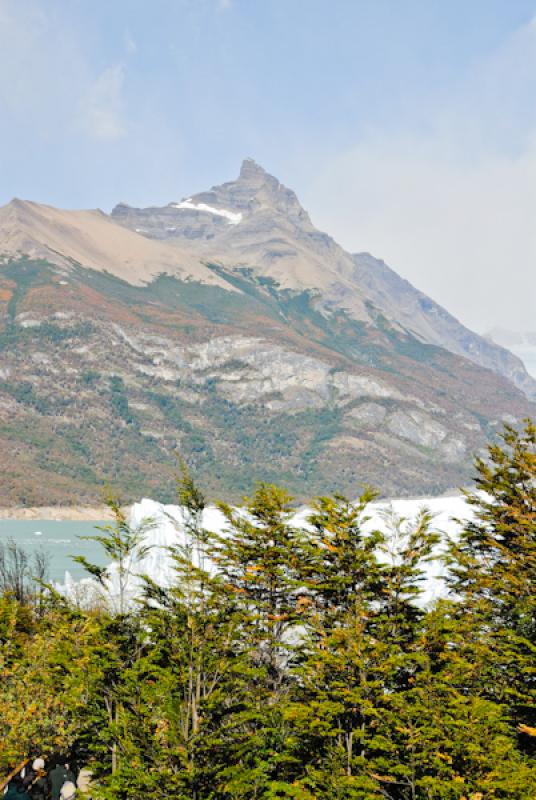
[{"x": 165, "y": 528}]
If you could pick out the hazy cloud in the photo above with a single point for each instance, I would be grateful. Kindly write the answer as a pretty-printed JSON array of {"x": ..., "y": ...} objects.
[
  {"x": 47, "y": 82},
  {"x": 41, "y": 64},
  {"x": 101, "y": 106},
  {"x": 452, "y": 208}
]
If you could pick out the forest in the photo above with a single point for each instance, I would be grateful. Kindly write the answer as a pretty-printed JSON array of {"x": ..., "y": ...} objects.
[{"x": 303, "y": 666}]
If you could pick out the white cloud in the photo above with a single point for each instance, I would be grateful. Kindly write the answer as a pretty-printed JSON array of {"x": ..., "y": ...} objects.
[
  {"x": 101, "y": 108},
  {"x": 462, "y": 232},
  {"x": 452, "y": 209}
]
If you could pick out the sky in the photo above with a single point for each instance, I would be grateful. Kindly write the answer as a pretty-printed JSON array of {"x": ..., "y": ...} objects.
[{"x": 407, "y": 129}]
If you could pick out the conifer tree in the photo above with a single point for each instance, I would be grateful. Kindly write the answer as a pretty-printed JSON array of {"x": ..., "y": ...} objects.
[
  {"x": 258, "y": 558},
  {"x": 334, "y": 712},
  {"x": 493, "y": 572},
  {"x": 362, "y": 627}
]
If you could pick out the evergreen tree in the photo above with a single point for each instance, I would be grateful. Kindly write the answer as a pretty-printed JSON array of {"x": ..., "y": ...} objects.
[
  {"x": 258, "y": 558},
  {"x": 362, "y": 624},
  {"x": 493, "y": 573},
  {"x": 292, "y": 657}
]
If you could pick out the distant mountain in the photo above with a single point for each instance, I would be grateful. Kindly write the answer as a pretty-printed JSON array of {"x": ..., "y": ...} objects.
[
  {"x": 225, "y": 326},
  {"x": 522, "y": 344}
]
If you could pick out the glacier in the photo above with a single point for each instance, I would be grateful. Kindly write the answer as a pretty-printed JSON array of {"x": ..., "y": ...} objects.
[{"x": 164, "y": 527}]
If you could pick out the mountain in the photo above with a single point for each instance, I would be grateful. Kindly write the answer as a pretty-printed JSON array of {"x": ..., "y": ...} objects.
[
  {"x": 226, "y": 327},
  {"x": 91, "y": 238},
  {"x": 255, "y": 222},
  {"x": 431, "y": 323}
]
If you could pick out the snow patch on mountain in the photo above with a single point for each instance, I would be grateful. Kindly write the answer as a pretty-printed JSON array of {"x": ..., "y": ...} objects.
[{"x": 233, "y": 217}]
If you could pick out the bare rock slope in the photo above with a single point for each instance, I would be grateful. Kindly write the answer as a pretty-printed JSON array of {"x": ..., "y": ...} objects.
[
  {"x": 92, "y": 238},
  {"x": 430, "y": 322}
]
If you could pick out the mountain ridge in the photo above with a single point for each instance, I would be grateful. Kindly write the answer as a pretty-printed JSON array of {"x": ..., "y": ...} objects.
[
  {"x": 293, "y": 265},
  {"x": 253, "y": 345},
  {"x": 90, "y": 238},
  {"x": 104, "y": 381},
  {"x": 307, "y": 260},
  {"x": 428, "y": 320}
]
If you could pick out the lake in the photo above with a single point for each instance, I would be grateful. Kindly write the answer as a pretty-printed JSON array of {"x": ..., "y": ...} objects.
[{"x": 59, "y": 539}]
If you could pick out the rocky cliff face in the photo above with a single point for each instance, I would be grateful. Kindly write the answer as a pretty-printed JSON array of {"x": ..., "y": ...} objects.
[
  {"x": 208, "y": 215},
  {"x": 103, "y": 380}
]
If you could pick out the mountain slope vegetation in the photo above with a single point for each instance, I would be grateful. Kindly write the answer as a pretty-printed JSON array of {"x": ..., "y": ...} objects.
[
  {"x": 226, "y": 328},
  {"x": 103, "y": 380}
]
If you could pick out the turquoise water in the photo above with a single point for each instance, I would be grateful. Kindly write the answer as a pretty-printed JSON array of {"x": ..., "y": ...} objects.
[{"x": 59, "y": 539}]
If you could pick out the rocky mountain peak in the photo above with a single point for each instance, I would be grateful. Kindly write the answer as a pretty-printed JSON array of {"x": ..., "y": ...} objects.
[
  {"x": 250, "y": 171},
  {"x": 253, "y": 202},
  {"x": 255, "y": 190},
  {"x": 254, "y": 179}
]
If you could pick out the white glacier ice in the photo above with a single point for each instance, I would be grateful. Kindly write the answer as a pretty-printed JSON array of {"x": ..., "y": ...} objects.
[{"x": 165, "y": 528}]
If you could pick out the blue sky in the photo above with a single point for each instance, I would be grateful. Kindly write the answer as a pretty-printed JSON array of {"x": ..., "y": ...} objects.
[{"x": 407, "y": 127}]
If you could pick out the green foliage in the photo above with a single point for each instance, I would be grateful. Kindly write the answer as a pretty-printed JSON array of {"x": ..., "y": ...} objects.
[
  {"x": 26, "y": 273},
  {"x": 303, "y": 666},
  {"x": 119, "y": 399},
  {"x": 172, "y": 410},
  {"x": 90, "y": 377},
  {"x": 121, "y": 544},
  {"x": 493, "y": 569},
  {"x": 24, "y": 393}
]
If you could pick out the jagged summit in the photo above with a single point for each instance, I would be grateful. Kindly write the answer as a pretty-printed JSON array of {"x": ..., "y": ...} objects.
[
  {"x": 256, "y": 222},
  {"x": 256, "y": 181},
  {"x": 255, "y": 191},
  {"x": 203, "y": 215},
  {"x": 251, "y": 170}
]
